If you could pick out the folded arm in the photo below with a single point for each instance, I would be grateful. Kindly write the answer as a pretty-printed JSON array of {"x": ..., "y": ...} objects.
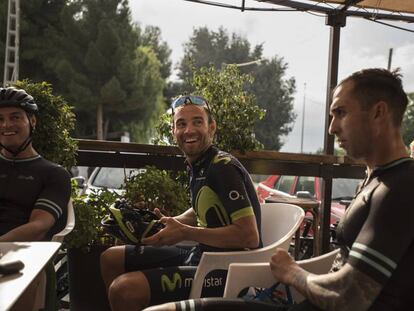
[{"x": 39, "y": 224}]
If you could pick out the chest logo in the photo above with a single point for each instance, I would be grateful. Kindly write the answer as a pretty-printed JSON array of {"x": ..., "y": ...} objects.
[{"x": 235, "y": 195}]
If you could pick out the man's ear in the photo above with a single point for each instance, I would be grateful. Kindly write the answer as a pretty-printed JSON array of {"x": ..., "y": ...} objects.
[
  {"x": 173, "y": 132},
  {"x": 380, "y": 110},
  {"x": 213, "y": 127},
  {"x": 33, "y": 121}
]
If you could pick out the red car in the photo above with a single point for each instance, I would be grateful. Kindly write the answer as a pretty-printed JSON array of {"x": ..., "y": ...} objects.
[{"x": 288, "y": 186}]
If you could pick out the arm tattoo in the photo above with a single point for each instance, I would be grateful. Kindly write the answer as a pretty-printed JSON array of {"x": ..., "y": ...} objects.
[{"x": 346, "y": 289}]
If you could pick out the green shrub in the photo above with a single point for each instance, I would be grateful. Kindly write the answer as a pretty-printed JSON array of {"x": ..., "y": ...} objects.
[
  {"x": 55, "y": 122},
  {"x": 89, "y": 211},
  {"x": 234, "y": 109},
  {"x": 156, "y": 188}
]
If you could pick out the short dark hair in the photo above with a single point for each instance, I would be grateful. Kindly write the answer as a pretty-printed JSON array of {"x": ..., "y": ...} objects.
[
  {"x": 376, "y": 84},
  {"x": 188, "y": 99}
]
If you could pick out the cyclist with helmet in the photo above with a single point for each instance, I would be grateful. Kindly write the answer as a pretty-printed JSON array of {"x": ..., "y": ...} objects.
[
  {"x": 34, "y": 192},
  {"x": 225, "y": 215}
]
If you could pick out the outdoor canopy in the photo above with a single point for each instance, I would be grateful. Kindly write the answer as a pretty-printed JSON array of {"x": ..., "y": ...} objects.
[{"x": 406, "y": 6}]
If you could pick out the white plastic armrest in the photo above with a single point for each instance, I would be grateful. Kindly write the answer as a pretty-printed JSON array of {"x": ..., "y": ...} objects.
[
  {"x": 242, "y": 275},
  {"x": 221, "y": 260},
  {"x": 70, "y": 224}
]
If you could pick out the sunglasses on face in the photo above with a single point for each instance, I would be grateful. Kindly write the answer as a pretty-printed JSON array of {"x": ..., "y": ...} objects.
[{"x": 189, "y": 100}]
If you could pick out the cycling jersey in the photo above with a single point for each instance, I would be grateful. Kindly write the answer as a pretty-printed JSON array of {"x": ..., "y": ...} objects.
[
  {"x": 28, "y": 184},
  {"x": 221, "y": 192},
  {"x": 377, "y": 233}
]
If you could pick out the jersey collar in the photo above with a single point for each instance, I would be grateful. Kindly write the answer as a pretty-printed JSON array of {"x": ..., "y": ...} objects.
[
  {"x": 381, "y": 168},
  {"x": 20, "y": 160},
  {"x": 206, "y": 157}
]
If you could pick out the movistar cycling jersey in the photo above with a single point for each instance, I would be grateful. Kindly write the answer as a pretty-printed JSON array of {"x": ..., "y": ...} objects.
[
  {"x": 221, "y": 192},
  {"x": 28, "y": 184}
]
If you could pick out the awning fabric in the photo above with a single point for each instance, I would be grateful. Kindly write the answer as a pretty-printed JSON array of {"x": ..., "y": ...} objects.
[{"x": 403, "y": 6}]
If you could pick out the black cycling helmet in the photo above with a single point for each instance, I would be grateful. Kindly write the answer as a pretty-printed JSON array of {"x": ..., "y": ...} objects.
[
  {"x": 12, "y": 97},
  {"x": 129, "y": 224}
]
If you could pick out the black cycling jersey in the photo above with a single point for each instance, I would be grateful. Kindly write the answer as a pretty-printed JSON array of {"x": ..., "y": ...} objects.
[
  {"x": 376, "y": 233},
  {"x": 376, "y": 236},
  {"x": 221, "y": 192},
  {"x": 28, "y": 184}
]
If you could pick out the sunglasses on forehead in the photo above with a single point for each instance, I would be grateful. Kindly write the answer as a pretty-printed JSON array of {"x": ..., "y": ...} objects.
[{"x": 189, "y": 100}]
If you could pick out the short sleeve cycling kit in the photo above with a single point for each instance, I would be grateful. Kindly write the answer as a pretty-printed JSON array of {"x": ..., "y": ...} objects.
[
  {"x": 32, "y": 183},
  {"x": 221, "y": 192}
]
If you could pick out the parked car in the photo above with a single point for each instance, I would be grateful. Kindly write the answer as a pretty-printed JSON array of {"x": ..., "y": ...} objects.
[
  {"x": 111, "y": 178},
  {"x": 275, "y": 186}
]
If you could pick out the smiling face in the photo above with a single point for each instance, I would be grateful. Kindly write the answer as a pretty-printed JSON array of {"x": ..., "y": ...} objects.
[
  {"x": 192, "y": 131},
  {"x": 14, "y": 128},
  {"x": 351, "y": 124}
]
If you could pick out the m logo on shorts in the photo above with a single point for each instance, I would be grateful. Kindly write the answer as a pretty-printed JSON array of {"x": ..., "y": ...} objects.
[{"x": 170, "y": 285}]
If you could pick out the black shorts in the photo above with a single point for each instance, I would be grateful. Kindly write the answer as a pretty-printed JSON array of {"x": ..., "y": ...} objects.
[{"x": 170, "y": 271}]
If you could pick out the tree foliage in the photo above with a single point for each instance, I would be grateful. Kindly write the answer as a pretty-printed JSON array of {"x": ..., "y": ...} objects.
[
  {"x": 274, "y": 92},
  {"x": 408, "y": 121},
  {"x": 100, "y": 66},
  {"x": 233, "y": 108},
  {"x": 96, "y": 57}
]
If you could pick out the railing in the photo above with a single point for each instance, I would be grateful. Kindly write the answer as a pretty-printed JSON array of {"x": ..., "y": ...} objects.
[{"x": 119, "y": 154}]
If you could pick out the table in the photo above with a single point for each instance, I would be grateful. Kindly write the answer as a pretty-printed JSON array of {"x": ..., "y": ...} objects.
[
  {"x": 308, "y": 205},
  {"x": 34, "y": 255}
]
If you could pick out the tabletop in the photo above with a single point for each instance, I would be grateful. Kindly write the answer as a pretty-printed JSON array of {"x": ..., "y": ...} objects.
[{"x": 34, "y": 255}]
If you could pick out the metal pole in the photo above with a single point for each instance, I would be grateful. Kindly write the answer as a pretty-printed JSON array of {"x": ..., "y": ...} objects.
[
  {"x": 389, "y": 59},
  {"x": 336, "y": 20},
  {"x": 303, "y": 118}
]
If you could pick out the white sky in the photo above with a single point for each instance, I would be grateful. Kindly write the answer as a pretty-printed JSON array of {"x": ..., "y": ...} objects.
[{"x": 300, "y": 38}]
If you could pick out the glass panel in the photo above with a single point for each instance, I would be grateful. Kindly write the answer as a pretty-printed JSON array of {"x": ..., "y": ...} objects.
[
  {"x": 285, "y": 183},
  {"x": 113, "y": 177},
  {"x": 344, "y": 189},
  {"x": 306, "y": 183}
]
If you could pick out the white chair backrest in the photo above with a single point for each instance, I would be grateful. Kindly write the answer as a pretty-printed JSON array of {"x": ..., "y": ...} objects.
[
  {"x": 279, "y": 223},
  {"x": 279, "y": 220},
  {"x": 242, "y": 275},
  {"x": 320, "y": 264},
  {"x": 70, "y": 224},
  {"x": 316, "y": 265}
]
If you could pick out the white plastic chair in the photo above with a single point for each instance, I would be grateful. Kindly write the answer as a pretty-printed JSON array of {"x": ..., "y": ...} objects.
[
  {"x": 42, "y": 300},
  {"x": 70, "y": 224},
  {"x": 244, "y": 275},
  {"x": 279, "y": 223}
]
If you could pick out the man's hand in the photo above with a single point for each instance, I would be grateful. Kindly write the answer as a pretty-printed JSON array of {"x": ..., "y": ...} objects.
[
  {"x": 283, "y": 266},
  {"x": 157, "y": 212},
  {"x": 170, "y": 235}
]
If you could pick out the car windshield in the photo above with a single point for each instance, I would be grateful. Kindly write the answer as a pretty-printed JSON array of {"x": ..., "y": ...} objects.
[
  {"x": 113, "y": 177},
  {"x": 344, "y": 189}
]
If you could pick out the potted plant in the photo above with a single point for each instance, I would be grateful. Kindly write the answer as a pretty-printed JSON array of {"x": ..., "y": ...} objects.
[
  {"x": 151, "y": 188},
  {"x": 85, "y": 244}
]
